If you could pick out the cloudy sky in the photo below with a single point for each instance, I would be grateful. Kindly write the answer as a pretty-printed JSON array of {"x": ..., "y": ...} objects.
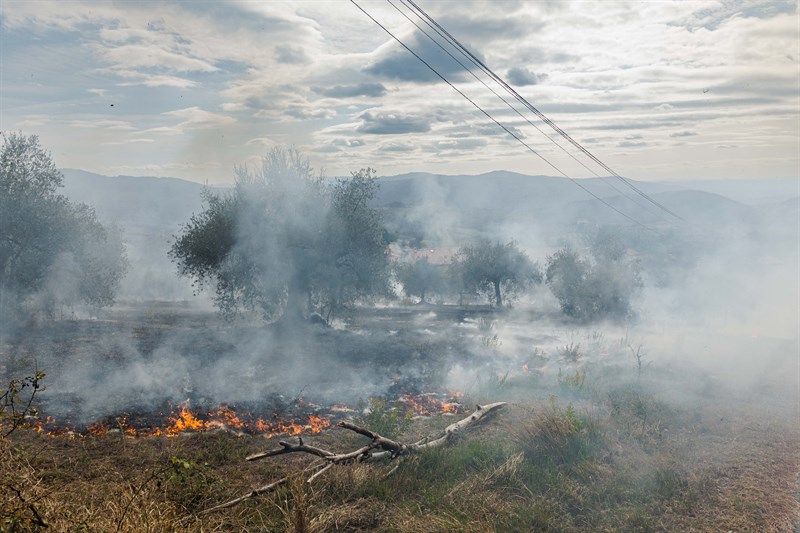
[{"x": 657, "y": 90}]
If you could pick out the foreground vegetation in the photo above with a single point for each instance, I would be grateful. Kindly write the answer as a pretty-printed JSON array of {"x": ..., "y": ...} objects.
[{"x": 588, "y": 455}]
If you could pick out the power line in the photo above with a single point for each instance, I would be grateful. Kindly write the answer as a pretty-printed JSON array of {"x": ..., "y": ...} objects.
[
  {"x": 526, "y": 145},
  {"x": 465, "y": 67},
  {"x": 456, "y": 43}
]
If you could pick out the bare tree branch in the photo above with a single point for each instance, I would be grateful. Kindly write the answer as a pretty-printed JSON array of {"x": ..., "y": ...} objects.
[{"x": 390, "y": 449}]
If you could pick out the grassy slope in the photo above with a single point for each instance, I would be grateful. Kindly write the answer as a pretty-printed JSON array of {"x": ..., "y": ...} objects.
[
  {"x": 598, "y": 451},
  {"x": 615, "y": 459}
]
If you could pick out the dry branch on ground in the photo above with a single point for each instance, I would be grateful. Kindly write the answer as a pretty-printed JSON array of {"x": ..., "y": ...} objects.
[{"x": 379, "y": 447}]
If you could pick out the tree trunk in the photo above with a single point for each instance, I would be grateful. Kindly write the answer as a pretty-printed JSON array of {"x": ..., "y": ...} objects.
[
  {"x": 498, "y": 298},
  {"x": 295, "y": 302}
]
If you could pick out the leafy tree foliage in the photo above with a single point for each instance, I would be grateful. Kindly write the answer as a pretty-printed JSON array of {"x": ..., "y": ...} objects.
[
  {"x": 420, "y": 278},
  {"x": 594, "y": 288},
  {"x": 52, "y": 251},
  {"x": 284, "y": 242},
  {"x": 501, "y": 271}
]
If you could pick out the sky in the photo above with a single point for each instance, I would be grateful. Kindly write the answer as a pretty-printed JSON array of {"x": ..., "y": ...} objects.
[{"x": 657, "y": 90}]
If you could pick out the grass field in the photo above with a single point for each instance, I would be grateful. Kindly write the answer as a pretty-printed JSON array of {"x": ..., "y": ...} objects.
[{"x": 592, "y": 438}]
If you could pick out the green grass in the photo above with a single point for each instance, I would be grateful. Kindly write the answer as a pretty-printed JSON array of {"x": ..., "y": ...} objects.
[{"x": 626, "y": 460}]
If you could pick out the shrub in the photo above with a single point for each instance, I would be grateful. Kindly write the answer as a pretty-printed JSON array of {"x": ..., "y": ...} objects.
[{"x": 559, "y": 437}]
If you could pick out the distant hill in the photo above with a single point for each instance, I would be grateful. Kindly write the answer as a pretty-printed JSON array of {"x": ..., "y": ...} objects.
[
  {"x": 154, "y": 208},
  {"x": 747, "y": 191},
  {"x": 540, "y": 212},
  {"x": 510, "y": 190},
  {"x": 135, "y": 200},
  {"x": 148, "y": 211}
]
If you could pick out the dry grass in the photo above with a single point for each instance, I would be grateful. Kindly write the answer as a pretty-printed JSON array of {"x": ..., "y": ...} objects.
[
  {"x": 604, "y": 456},
  {"x": 540, "y": 466}
]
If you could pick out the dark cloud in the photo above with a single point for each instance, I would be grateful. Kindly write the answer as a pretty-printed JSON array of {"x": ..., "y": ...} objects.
[
  {"x": 293, "y": 55},
  {"x": 399, "y": 64},
  {"x": 682, "y": 134},
  {"x": 488, "y": 28},
  {"x": 349, "y": 91},
  {"x": 523, "y": 76},
  {"x": 494, "y": 129},
  {"x": 392, "y": 124},
  {"x": 397, "y": 147},
  {"x": 631, "y": 144}
]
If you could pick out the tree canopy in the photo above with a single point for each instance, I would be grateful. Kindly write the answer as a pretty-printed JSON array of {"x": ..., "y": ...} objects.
[
  {"x": 52, "y": 251},
  {"x": 285, "y": 242},
  {"x": 501, "y": 271},
  {"x": 591, "y": 288},
  {"x": 420, "y": 278}
]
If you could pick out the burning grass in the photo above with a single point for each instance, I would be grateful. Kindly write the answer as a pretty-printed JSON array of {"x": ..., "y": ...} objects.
[
  {"x": 551, "y": 465},
  {"x": 590, "y": 444}
]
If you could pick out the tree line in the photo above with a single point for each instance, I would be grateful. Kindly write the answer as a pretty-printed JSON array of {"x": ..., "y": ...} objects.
[
  {"x": 53, "y": 252},
  {"x": 284, "y": 243}
]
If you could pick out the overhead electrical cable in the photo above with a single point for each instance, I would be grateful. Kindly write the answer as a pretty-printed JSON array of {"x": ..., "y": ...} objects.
[
  {"x": 511, "y": 106},
  {"x": 456, "y": 43},
  {"x": 490, "y": 117}
]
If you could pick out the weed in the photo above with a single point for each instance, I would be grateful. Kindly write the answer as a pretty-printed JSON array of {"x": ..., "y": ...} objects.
[
  {"x": 572, "y": 384},
  {"x": 17, "y": 402},
  {"x": 638, "y": 356},
  {"x": 560, "y": 437},
  {"x": 491, "y": 342},
  {"x": 386, "y": 418},
  {"x": 190, "y": 485},
  {"x": 637, "y": 412},
  {"x": 571, "y": 352},
  {"x": 486, "y": 325}
]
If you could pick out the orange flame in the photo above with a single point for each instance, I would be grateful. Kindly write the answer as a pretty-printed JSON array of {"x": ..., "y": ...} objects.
[{"x": 185, "y": 420}]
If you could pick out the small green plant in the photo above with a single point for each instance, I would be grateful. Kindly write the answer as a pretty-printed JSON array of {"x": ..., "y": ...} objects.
[
  {"x": 385, "y": 418},
  {"x": 640, "y": 412},
  {"x": 560, "y": 437},
  {"x": 489, "y": 339},
  {"x": 497, "y": 382},
  {"x": 189, "y": 483},
  {"x": 17, "y": 402},
  {"x": 571, "y": 351},
  {"x": 491, "y": 342},
  {"x": 569, "y": 382},
  {"x": 486, "y": 325}
]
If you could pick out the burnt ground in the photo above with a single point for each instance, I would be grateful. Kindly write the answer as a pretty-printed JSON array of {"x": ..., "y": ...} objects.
[
  {"x": 690, "y": 443},
  {"x": 142, "y": 358}
]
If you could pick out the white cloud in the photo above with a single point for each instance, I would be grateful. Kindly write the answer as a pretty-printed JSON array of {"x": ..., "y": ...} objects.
[
  {"x": 196, "y": 117},
  {"x": 297, "y": 73}
]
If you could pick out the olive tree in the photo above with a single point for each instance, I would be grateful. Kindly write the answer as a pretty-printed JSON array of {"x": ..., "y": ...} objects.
[
  {"x": 52, "y": 251},
  {"x": 419, "y": 278},
  {"x": 501, "y": 271},
  {"x": 285, "y": 242},
  {"x": 592, "y": 288}
]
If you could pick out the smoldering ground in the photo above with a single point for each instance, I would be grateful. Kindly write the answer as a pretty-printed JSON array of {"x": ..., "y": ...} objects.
[
  {"x": 718, "y": 306},
  {"x": 141, "y": 357}
]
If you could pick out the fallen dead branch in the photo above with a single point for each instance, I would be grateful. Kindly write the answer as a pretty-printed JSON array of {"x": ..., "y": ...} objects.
[{"x": 379, "y": 447}]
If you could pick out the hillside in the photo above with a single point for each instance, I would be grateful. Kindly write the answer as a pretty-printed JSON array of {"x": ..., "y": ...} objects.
[
  {"x": 135, "y": 200},
  {"x": 449, "y": 209}
]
